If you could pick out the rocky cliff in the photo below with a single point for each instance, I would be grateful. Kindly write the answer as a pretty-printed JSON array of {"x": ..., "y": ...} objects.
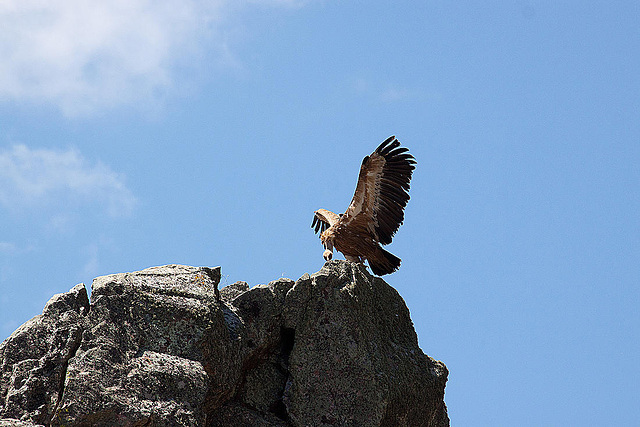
[{"x": 165, "y": 347}]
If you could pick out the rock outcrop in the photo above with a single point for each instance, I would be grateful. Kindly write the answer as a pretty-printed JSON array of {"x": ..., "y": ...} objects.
[{"x": 164, "y": 347}]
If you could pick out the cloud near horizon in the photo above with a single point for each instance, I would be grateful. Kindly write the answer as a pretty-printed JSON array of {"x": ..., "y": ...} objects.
[{"x": 42, "y": 177}]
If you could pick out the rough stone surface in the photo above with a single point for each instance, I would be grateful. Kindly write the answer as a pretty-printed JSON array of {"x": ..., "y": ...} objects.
[
  {"x": 228, "y": 293},
  {"x": 141, "y": 357},
  {"x": 355, "y": 359},
  {"x": 12, "y": 422},
  {"x": 164, "y": 347},
  {"x": 33, "y": 360}
]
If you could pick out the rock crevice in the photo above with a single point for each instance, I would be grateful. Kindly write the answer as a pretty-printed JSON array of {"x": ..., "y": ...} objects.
[{"x": 165, "y": 347}]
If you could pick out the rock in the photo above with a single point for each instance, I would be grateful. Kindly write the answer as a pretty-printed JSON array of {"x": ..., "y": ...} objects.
[
  {"x": 12, "y": 422},
  {"x": 238, "y": 415},
  {"x": 141, "y": 359},
  {"x": 33, "y": 360},
  {"x": 164, "y": 347},
  {"x": 355, "y": 358},
  {"x": 228, "y": 293}
]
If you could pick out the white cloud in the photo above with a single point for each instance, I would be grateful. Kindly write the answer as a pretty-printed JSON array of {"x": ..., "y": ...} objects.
[
  {"x": 85, "y": 55},
  {"x": 41, "y": 177}
]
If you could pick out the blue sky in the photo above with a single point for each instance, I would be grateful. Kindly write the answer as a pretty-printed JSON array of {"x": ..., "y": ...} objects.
[{"x": 139, "y": 133}]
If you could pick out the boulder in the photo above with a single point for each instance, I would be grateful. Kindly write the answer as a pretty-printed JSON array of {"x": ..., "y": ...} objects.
[
  {"x": 355, "y": 358},
  {"x": 34, "y": 359},
  {"x": 164, "y": 347}
]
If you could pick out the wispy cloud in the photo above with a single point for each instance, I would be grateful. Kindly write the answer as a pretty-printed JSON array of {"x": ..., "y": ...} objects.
[
  {"x": 85, "y": 57},
  {"x": 35, "y": 177},
  {"x": 82, "y": 55}
]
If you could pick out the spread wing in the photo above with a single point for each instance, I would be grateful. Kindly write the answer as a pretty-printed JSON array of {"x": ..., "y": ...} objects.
[
  {"x": 323, "y": 219},
  {"x": 319, "y": 225},
  {"x": 382, "y": 190}
]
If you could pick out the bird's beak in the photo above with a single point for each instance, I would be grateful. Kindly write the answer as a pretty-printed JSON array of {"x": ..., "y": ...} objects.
[{"x": 327, "y": 255}]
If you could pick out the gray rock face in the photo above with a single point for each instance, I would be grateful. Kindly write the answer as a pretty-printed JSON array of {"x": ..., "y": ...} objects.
[
  {"x": 164, "y": 347},
  {"x": 34, "y": 359}
]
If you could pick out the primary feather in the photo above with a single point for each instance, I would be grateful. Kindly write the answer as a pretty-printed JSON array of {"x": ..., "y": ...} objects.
[{"x": 376, "y": 210}]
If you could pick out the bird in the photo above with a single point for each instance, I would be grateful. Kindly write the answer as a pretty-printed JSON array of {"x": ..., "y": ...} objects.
[{"x": 375, "y": 212}]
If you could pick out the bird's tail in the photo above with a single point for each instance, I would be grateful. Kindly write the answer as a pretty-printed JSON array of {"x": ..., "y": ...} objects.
[{"x": 383, "y": 262}]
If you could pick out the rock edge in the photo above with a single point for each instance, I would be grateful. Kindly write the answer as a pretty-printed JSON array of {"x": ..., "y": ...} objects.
[{"x": 164, "y": 347}]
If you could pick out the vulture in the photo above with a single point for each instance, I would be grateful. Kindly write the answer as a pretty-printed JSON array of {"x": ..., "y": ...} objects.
[{"x": 376, "y": 210}]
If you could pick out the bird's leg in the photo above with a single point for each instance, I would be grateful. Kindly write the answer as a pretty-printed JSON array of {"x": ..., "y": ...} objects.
[
  {"x": 352, "y": 258},
  {"x": 328, "y": 253}
]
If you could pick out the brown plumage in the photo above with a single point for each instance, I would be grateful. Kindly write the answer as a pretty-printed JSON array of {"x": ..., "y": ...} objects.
[{"x": 376, "y": 210}]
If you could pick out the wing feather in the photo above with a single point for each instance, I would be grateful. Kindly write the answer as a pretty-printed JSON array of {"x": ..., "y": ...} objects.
[
  {"x": 319, "y": 225},
  {"x": 323, "y": 219},
  {"x": 382, "y": 190}
]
